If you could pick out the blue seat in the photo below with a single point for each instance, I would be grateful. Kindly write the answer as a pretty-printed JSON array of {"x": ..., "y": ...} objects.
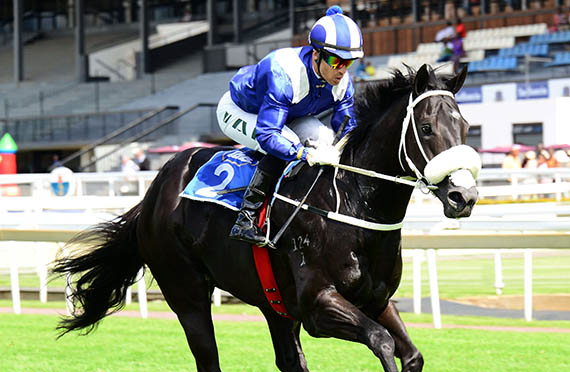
[
  {"x": 523, "y": 49},
  {"x": 495, "y": 63},
  {"x": 560, "y": 59}
]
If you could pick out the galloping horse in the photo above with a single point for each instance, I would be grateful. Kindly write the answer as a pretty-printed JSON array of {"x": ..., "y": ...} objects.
[{"x": 336, "y": 278}]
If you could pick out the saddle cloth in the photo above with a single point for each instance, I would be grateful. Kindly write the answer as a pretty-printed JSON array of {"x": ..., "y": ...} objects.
[{"x": 217, "y": 180}]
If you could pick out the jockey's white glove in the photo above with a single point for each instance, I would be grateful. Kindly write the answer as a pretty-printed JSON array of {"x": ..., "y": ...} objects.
[{"x": 323, "y": 155}]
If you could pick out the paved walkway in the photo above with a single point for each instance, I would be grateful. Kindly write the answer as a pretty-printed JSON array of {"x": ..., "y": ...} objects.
[
  {"x": 259, "y": 318},
  {"x": 454, "y": 308}
]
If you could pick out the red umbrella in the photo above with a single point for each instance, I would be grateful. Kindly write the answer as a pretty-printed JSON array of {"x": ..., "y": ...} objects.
[
  {"x": 176, "y": 148},
  {"x": 507, "y": 149}
]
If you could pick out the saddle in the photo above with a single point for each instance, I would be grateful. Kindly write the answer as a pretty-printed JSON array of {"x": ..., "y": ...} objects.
[{"x": 223, "y": 180}]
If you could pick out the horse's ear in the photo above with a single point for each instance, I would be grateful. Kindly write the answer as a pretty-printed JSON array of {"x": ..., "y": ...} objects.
[
  {"x": 421, "y": 81},
  {"x": 457, "y": 81}
]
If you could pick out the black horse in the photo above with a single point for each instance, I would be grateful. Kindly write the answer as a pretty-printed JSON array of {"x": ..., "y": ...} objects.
[{"x": 336, "y": 279}]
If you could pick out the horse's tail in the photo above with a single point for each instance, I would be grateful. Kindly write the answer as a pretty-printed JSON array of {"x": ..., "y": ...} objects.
[{"x": 106, "y": 270}]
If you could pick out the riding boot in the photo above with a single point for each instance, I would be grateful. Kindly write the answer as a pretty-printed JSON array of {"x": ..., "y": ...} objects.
[{"x": 246, "y": 228}]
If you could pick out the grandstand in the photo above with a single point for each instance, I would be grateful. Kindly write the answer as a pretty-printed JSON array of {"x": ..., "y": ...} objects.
[{"x": 195, "y": 46}]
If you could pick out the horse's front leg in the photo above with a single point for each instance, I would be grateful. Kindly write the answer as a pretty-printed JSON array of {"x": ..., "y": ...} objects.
[
  {"x": 412, "y": 360},
  {"x": 328, "y": 314},
  {"x": 289, "y": 355}
]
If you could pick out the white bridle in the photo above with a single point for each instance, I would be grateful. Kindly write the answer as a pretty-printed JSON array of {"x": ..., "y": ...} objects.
[
  {"x": 447, "y": 162},
  {"x": 461, "y": 163}
]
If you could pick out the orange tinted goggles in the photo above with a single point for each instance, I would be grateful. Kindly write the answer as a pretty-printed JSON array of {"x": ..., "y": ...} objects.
[{"x": 336, "y": 62}]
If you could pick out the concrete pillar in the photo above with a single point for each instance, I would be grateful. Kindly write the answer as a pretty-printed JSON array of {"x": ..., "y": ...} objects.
[
  {"x": 143, "y": 32},
  {"x": 292, "y": 16},
  {"x": 18, "y": 44},
  {"x": 128, "y": 9},
  {"x": 80, "y": 58},
  {"x": 211, "y": 17},
  {"x": 237, "y": 20}
]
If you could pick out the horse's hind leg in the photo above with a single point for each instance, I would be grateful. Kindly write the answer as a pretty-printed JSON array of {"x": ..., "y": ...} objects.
[
  {"x": 188, "y": 292},
  {"x": 412, "y": 360},
  {"x": 289, "y": 355}
]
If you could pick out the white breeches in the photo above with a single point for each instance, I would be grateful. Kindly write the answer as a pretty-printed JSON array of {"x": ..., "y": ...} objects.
[{"x": 240, "y": 126}]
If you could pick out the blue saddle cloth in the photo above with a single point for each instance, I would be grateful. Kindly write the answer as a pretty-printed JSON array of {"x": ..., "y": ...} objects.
[{"x": 225, "y": 171}]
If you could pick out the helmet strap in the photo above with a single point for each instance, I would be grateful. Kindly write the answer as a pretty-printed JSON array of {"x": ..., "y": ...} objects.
[{"x": 320, "y": 76}]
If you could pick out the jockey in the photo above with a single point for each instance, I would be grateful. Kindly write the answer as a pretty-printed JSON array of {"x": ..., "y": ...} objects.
[{"x": 289, "y": 84}]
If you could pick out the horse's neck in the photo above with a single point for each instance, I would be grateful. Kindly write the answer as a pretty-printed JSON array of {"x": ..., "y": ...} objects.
[{"x": 383, "y": 200}]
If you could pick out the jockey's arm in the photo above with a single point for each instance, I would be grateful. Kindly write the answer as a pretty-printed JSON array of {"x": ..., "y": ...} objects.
[
  {"x": 342, "y": 108},
  {"x": 270, "y": 121}
]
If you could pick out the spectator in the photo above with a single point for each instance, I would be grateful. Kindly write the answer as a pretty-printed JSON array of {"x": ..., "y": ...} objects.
[
  {"x": 369, "y": 69},
  {"x": 460, "y": 28},
  {"x": 552, "y": 162},
  {"x": 543, "y": 164},
  {"x": 458, "y": 52},
  {"x": 141, "y": 160},
  {"x": 128, "y": 165},
  {"x": 562, "y": 158},
  {"x": 560, "y": 21},
  {"x": 55, "y": 162},
  {"x": 529, "y": 161},
  {"x": 445, "y": 34},
  {"x": 512, "y": 160}
]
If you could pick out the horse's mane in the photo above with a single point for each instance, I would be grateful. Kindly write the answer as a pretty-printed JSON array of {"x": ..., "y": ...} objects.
[{"x": 373, "y": 101}]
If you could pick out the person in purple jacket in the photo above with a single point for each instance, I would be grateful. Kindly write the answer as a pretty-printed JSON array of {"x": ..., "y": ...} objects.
[{"x": 268, "y": 103}]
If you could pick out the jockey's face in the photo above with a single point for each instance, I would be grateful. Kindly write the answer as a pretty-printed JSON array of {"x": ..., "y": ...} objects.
[{"x": 330, "y": 75}]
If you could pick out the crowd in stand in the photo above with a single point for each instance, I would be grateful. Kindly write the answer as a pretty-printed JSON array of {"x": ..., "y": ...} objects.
[
  {"x": 451, "y": 38},
  {"x": 540, "y": 158}
]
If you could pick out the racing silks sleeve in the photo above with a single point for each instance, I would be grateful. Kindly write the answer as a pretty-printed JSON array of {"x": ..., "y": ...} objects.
[{"x": 270, "y": 121}]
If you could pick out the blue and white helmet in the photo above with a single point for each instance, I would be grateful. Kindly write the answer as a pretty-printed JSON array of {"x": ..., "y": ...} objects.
[{"x": 338, "y": 34}]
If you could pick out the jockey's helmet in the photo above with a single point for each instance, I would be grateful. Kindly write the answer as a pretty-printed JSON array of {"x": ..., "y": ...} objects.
[{"x": 337, "y": 34}]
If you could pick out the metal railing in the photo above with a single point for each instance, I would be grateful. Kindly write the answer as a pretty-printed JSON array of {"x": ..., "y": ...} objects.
[
  {"x": 75, "y": 129},
  {"x": 156, "y": 131}
]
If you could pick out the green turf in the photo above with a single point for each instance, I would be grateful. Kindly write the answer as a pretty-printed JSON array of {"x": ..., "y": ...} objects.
[{"x": 27, "y": 343}]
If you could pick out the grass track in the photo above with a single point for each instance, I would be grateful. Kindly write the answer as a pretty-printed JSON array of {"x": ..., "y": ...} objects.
[{"x": 27, "y": 343}]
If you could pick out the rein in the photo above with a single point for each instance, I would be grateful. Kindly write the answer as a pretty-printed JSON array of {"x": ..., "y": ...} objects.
[
  {"x": 455, "y": 160},
  {"x": 410, "y": 181}
]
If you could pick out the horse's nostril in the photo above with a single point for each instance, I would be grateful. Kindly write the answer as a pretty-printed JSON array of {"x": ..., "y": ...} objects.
[{"x": 456, "y": 198}]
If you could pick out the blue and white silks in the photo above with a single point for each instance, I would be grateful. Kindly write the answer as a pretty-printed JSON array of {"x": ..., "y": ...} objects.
[{"x": 283, "y": 87}]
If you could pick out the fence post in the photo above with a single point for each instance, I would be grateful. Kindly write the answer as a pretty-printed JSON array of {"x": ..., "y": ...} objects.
[
  {"x": 499, "y": 285},
  {"x": 141, "y": 289},
  {"x": 14, "y": 282},
  {"x": 417, "y": 280},
  {"x": 68, "y": 281},
  {"x": 433, "y": 288},
  {"x": 42, "y": 270},
  {"x": 528, "y": 285},
  {"x": 217, "y": 296},
  {"x": 128, "y": 296}
]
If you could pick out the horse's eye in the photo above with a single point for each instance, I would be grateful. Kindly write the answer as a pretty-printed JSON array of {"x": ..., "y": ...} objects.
[{"x": 426, "y": 129}]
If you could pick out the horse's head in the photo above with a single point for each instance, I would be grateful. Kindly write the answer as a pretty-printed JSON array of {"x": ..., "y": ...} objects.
[{"x": 434, "y": 142}]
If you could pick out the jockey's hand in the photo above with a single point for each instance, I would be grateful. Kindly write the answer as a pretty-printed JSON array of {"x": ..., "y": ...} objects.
[{"x": 323, "y": 155}]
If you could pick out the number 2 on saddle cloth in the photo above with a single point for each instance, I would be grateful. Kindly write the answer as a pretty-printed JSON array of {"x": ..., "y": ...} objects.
[{"x": 222, "y": 180}]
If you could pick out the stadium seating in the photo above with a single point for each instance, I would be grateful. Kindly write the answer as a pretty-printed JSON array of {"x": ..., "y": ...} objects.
[
  {"x": 557, "y": 37},
  {"x": 560, "y": 59},
  {"x": 510, "y": 31},
  {"x": 523, "y": 49},
  {"x": 494, "y": 64}
]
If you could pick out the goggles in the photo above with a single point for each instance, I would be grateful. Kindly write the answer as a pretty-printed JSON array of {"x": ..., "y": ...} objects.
[{"x": 336, "y": 62}]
